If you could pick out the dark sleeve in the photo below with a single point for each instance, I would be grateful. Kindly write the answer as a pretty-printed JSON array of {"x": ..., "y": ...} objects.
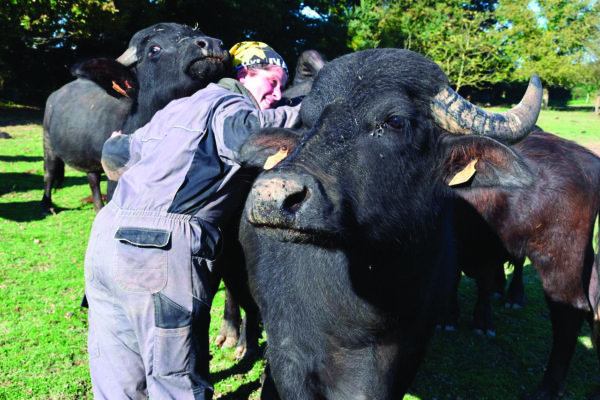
[
  {"x": 116, "y": 155},
  {"x": 234, "y": 120}
]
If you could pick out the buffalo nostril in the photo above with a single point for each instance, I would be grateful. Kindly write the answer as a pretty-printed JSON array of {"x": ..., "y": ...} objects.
[{"x": 294, "y": 201}]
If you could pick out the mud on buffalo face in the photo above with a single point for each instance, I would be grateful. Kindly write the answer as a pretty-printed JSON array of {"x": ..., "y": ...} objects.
[{"x": 366, "y": 172}]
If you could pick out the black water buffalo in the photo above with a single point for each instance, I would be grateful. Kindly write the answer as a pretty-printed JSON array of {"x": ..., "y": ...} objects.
[
  {"x": 308, "y": 66},
  {"x": 163, "y": 62},
  {"x": 552, "y": 223},
  {"x": 349, "y": 240}
]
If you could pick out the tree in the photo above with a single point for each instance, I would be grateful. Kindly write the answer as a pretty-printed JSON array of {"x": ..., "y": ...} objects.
[
  {"x": 479, "y": 43},
  {"x": 42, "y": 38},
  {"x": 555, "y": 39},
  {"x": 457, "y": 35}
]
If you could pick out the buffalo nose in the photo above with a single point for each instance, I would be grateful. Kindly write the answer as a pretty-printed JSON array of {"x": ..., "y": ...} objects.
[
  {"x": 277, "y": 201},
  {"x": 209, "y": 44},
  {"x": 202, "y": 43}
]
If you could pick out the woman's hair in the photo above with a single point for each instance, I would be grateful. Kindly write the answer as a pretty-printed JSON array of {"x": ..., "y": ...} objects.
[
  {"x": 266, "y": 67},
  {"x": 254, "y": 67}
]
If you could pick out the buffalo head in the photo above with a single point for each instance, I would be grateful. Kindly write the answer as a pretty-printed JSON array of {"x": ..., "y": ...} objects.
[
  {"x": 163, "y": 62},
  {"x": 368, "y": 170}
]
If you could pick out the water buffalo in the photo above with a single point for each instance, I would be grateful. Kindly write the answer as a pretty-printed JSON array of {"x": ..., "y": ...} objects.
[
  {"x": 349, "y": 240},
  {"x": 552, "y": 223},
  {"x": 308, "y": 66},
  {"x": 163, "y": 62}
]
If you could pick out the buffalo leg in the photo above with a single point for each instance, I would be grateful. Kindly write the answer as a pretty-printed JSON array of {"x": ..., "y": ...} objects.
[
  {"x": 54, "y": 173},
  {"x": 268, "y": 389},
  {"x": 483, "y": 318},
  {"x": 94, "y": 182},
  {"x": 516, "y": 292},
  {"x": 499, "y": 281},
  {"x": 247, "y": 346},
  {"x": 229, "y": 334},
  {"x": 451, "y": 310},
  {"x": 233, "y": 269},
  {"x": 566, "y": 325}
]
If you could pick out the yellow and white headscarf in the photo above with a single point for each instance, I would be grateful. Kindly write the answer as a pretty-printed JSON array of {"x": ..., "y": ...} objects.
[{"x": 245, "y": 54}]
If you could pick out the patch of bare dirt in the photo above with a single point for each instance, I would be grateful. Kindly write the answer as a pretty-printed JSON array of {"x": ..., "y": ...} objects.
[{"x": 594, "y": 146}]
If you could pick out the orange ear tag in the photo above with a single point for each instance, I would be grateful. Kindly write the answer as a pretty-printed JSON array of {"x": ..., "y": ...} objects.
[
  {"x": 119, "y": 89},
  {"x": 464, "y": 174},
  {"x": 276, "y": 158}
]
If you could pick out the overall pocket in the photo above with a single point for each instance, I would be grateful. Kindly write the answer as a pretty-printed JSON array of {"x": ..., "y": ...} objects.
[
  {"x": 172, "y": 340},
  {"x": 141, "y": 259}
]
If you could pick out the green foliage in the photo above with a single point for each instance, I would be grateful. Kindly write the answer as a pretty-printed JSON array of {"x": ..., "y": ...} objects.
[
  {"x": 554, "y": 38},
  {"x": 482, "y": 43},
  {"x": 43, "y": 331},
  {"x": 41, "y": 38},
  {"x": 450, "y": 33}
]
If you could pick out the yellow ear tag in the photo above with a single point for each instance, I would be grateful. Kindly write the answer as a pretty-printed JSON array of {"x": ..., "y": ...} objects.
[
  {"x": 119, "y": 89},
  {"x": 464, "y": 174},
  {"x": 276, "y": 158}
]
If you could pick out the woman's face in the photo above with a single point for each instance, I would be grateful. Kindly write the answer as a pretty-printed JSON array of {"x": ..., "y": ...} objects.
[{"x": 265, "y": 85}]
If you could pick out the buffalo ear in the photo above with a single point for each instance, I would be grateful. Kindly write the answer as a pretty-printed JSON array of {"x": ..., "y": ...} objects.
[
  {"x": 116, "y": 79},
  {"x": 265, "y": 148},
  {"x": 471, "y": 162}
]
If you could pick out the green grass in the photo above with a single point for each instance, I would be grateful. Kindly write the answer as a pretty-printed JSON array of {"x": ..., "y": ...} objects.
[
  {"x": 578, "y": 124},
  {"x": 43, "y": 329}
]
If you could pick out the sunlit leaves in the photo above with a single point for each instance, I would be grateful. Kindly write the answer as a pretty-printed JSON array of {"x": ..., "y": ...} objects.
[{"x": 481, "y": 43}]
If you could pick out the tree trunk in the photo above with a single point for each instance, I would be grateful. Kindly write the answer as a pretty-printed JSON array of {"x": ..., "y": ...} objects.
[
  {"x": 597, "y": 107},
  {"x": 545, "y": 98}
]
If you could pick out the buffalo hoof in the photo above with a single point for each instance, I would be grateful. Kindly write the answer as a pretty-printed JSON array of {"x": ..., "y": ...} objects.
[
  {"x": 487, "y": 332},
  {"x": 516, "y": 301},
  {"x": 247, "y": 353},
  {"x": 226, "y": 342},
  {"x": 450, "y": 328},
  {"x": 48, "y": 210},
  {"x": 229, "y": 334},
  {"x": 46, "y": 206}
]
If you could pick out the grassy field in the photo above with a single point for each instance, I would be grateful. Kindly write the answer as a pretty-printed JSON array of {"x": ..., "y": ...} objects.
[{"x": 43, "y": 329}]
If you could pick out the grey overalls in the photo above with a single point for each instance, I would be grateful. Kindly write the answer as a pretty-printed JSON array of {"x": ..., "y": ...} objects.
[{"x": 147, "y": 279}]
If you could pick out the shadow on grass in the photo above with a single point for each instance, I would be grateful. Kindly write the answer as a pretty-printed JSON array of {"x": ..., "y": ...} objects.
[
  {"x": 242, "y": 392},
  {"x": 559, "y": 107},
  {"x": 21, "y": 159},
  {"x": 18, "y": 182},
  {"x": 242, "y": 367},
  {"x": 27, "y": 211},
  {"x": 462, "y": 364},
  {"x": 10, "y": 116}
]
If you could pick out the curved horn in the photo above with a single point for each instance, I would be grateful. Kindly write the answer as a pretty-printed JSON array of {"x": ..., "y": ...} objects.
[
  {"x": 129, "y": 57},
  {"x": 456, "y": 115}
]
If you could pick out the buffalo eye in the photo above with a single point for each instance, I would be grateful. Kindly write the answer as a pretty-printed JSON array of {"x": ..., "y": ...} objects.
[
  {"x": 395, "y": 122},
  {"x": 154, "y": 51}
]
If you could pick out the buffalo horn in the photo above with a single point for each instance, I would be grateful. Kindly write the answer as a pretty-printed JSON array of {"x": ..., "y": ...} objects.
[
  {"x": 129, "y": 57},
  {"x": 456, "y": 115}
]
